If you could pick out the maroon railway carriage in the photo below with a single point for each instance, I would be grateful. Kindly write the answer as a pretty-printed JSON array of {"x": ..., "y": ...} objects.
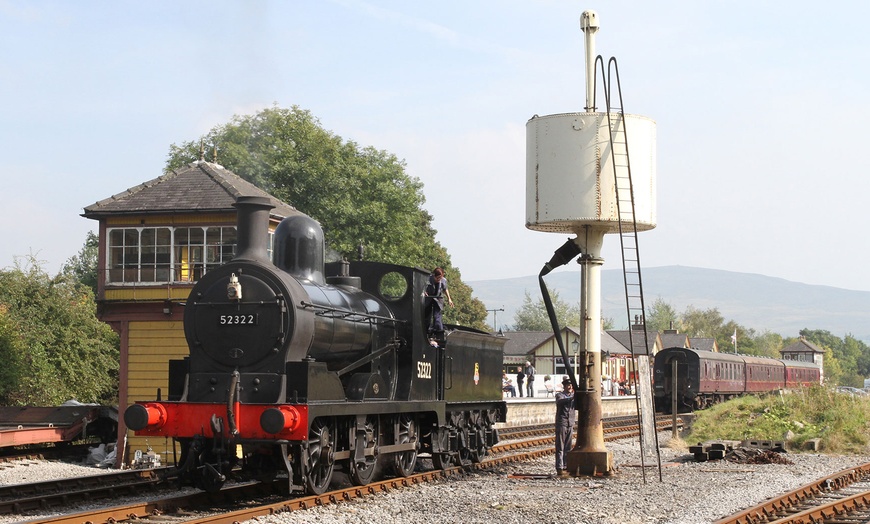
[
  {"x": 763, "y": 374},
  {"x": 801, "y": 373},
  {"x": 687, "y": 379}
]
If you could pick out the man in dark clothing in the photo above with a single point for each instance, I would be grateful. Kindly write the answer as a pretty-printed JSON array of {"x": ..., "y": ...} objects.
[
  {"x": 529, "y": 371},
  {"x": 436, "y": 290},
  {"x": 520, "y": 378},
  {"x": 565, "y": 415}
]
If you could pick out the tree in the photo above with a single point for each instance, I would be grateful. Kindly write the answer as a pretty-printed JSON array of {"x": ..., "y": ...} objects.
[
  {"x": 12, "y": 353},
  {"x": 54, "y": 347},
  {"x": 661, "y": 316},
  {"x": 702, "y": 323},
  {"x": 846, "y": 360},
  {"x": 768, "y": 344},
  {"x": 532, "y": 316},
  {"x": 360, "y": 195},
  {"x": 83, "y": 267}
]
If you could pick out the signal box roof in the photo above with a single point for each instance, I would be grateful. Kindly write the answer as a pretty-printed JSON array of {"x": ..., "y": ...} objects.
[{"x": 199, "y": 187}]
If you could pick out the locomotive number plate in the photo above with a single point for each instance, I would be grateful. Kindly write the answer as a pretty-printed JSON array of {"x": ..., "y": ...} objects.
[{"x": 238, "y": 320}]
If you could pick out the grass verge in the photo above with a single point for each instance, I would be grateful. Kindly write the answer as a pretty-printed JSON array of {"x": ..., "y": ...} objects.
[{"x": 841, "y": 421}]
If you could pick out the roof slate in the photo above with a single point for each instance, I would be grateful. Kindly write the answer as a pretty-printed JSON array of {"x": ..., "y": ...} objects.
[
  {"x": 674, "y": 340},
  {"x": 802, "y": 346},
  {"x": 703, "y": 343},
  {"x": 523, "y": 342},
  {"x": 622, "y": 337},
  {"x": 199, "y": 187}
]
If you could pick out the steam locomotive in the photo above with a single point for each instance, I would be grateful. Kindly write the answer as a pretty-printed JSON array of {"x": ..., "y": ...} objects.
[
  {"x": 299, "y": 368},
  {"x": 688, "y": 379}
]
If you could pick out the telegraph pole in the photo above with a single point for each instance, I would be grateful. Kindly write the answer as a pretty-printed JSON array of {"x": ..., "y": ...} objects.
[{"x": 494, "y": 326}]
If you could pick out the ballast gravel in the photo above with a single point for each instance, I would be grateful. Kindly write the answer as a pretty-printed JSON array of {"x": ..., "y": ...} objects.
[
  {"x": 527, "y": 493},
  {"x": 689, "y": 492}
]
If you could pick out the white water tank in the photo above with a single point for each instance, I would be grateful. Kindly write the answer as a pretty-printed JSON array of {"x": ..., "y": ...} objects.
[{"x": 570, "y": 175}]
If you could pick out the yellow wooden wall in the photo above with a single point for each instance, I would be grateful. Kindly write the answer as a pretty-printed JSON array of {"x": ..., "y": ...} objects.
[{"x": 151, "y": 346}]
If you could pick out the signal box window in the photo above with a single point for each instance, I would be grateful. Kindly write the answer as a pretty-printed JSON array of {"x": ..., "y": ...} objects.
[{"x": 146, "y": 255}]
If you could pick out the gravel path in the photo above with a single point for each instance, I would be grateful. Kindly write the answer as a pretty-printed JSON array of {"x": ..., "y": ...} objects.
[{"x": 690, "y": 493}]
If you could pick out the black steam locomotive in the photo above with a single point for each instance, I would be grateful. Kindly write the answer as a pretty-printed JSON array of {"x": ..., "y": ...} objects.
[
  {"x": 686, "y": 379},
  {"x": 298, "y": 368}
]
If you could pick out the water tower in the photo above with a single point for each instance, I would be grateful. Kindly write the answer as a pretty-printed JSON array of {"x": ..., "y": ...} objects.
[{"x": 589, "y": 174}]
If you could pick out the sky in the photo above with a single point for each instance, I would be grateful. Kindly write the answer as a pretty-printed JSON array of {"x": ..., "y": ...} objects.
[{"x": 760, "y": 111}]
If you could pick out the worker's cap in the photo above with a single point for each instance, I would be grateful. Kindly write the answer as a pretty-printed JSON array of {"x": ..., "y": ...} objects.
[{"x": 566, "y": 381}]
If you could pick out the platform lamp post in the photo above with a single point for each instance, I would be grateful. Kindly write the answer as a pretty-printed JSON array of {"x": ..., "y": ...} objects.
[{"x": 494, "y": 326}]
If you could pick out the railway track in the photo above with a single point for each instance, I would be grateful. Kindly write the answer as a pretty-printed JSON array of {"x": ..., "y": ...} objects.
[
  {"x": 264, "y": 499},
  {"x": 841, "y": 498},
  {"x": 46, "y": 452},
  {"x": 45, "y": 496}
]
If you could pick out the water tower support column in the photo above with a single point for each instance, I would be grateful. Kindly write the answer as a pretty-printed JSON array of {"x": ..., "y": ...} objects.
[{"x": 589, "y": 455}]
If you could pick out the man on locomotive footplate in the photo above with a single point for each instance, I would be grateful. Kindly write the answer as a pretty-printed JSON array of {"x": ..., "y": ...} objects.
[{"x": 436, "y": 290}]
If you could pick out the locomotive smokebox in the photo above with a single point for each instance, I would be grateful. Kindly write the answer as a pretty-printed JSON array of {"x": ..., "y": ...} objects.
[{"x": 253, "y": 228}]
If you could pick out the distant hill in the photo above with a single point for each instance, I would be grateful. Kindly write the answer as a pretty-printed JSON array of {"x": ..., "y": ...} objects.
[{"x": 754, "y": 301}]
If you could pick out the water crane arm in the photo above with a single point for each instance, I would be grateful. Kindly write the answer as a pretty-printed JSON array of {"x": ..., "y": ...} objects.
[{"x": 561, "y": 256}]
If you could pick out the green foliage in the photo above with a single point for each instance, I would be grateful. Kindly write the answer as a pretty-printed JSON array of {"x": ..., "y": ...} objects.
[
  {"x": 83, "y": 267},
  {"x": 661, "y": 316},
  {"x": 360, "y": 195},
  {"x": 765, "y": 344},
  {"x": 702, "y": 322},
  {"x": 532, "y": 316},
  {"x": 847, "y": 360},
  {"x": 54, "y": 347},
  {"x": 11, "y": 354},
  {"x": 840, "y": 421}
]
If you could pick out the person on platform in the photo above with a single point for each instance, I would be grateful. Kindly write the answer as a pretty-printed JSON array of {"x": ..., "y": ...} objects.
[
  {"x": 529, "y": 371},
  {"x": 606, "y": 385},
  {"x": 520, "y": 378},
  {"x": 507, "y": 385},
  {"x": 565, "y": 416}
]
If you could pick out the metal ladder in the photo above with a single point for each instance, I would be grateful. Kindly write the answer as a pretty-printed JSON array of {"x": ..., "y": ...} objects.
[{"x": 621, "y": 162}]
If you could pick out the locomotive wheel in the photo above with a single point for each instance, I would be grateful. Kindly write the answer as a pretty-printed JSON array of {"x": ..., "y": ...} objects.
[
  {"x": 361, "y": 473},
  {"x": 404, "y": 462},
  {"x": 320, "y": 460},
  {"x": 463, "y": 458},
  {"x": 440, "y": 461},
  {"x": 476, "y": 426}
]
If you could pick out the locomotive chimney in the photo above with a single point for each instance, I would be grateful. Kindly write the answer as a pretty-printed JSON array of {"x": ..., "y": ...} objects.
[{"x": 252, "y": 228}]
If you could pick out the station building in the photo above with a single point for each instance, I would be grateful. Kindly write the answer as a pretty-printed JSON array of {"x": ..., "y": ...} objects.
[{"x": 542, "y": 350}]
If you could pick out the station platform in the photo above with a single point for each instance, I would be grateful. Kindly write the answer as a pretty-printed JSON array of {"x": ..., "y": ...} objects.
[{"x": 523, "y": 411}]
